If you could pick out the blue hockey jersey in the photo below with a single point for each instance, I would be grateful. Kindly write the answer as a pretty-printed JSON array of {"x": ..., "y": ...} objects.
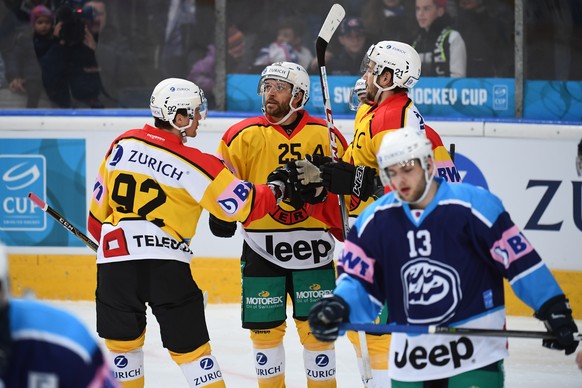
[
  {"x": 51, "y": 348},
  {"x": 443, "y": 265}
]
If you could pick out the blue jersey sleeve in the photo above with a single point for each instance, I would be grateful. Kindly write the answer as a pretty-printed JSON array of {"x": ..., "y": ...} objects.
[
  {"x": 363, "y": 308},
  {"x": 508, "y": 248}
]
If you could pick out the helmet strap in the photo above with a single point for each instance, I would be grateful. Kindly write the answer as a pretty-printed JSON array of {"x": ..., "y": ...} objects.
[
  {"x": 182, "y": 129},
  {"x": 381, "y": 89},
  {"x": 291, "y": 111}
]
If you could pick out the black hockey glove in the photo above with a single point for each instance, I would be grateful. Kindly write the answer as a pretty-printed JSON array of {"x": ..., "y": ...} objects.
[
  {"x": 221, "y": 228},
  {"x": 325, "y": 317},
  {"x": 280, "y": 182},
  {"x": 344, "y": 178},
  {"x": 312, "y": 195},
  {"x": 557, "y": 316}
]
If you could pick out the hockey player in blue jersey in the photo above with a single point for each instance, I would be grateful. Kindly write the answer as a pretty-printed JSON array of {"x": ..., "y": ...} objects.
[
  {"x": 437, "y": 253},
  {"x": 42, "y": 346}
]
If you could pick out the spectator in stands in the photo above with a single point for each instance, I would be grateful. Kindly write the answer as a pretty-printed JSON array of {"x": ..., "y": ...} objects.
[
  {"x": 188, "y": 32},
  {"x": 119, "y": 69},
  {"x": 203, "y": 71},
  {"x": 353, "y": 44},
  {"x": 347, "y": 58},
  {"x": 181, "y": 20},
  {"x": 389, "y": 20},
  {"x": 70, "y": 72},
  {"x": 287, "y": 47},
  {"x": 23, "y": 71},
  {"x": 441, "y": 48},
  {"x": 487, "y": 42}
]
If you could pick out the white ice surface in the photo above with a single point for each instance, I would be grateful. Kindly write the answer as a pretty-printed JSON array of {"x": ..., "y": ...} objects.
[{"x": 528, "y": 365}]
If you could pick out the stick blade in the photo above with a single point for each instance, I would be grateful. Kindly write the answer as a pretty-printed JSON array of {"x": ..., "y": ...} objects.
[{"x": 332, "y": 21}]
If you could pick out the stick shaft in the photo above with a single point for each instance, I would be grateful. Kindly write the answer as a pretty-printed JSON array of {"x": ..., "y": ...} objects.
[
  {"x": 419, "y": 329},
  {"x": 63, "y": 221},
  {"x": 452, "y": 152},
  {"x": 330, "y": 25}
]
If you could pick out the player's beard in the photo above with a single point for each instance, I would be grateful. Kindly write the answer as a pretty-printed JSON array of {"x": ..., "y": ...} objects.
[
  {"x": 371, "y": 94},
  {"x": 416, "y": 193},
  {"x": 276, "y": 110}
]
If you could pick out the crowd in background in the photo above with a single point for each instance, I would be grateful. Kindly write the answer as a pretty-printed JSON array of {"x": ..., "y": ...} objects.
[{"x": 105, "y": 53}]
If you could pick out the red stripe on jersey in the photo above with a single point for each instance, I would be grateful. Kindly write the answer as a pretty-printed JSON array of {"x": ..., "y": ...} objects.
[
  {"x": 434, "y": 137},
  {"x": 94, "y": 227}
]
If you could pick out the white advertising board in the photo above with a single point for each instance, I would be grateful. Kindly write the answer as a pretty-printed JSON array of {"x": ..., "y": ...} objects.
[{"x": 529, "y": 166}]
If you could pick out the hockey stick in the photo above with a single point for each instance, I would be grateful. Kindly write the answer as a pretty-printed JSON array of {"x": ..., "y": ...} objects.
[
  {"x": 332, "y": 21},
  {"x": 63, "y": 221},
  {"x": 431, "y": 329}
]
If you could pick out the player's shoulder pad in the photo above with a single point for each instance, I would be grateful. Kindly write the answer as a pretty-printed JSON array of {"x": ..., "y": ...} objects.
[
  {"x": 208, "y": 164},
  {"x": 387, "y": 201},
  {"x": 236, "y": 129},
  {"x": 31, "y": 316},
  {"x": 433, "y": 136},
  {"x": 310, "y": 120},
  {"x": 482, "y": 202},
  {"x": 391, "y": 114}
]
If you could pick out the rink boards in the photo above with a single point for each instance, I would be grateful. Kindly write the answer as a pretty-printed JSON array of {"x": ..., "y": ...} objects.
[{"x": 529, "y": 165}]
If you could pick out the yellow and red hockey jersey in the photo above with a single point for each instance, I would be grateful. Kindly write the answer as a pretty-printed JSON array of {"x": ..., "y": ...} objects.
[
  {"x": 150, "y": 191},
  {"x": 371, "y": 124},
  {"x": 288, "y": 237}
]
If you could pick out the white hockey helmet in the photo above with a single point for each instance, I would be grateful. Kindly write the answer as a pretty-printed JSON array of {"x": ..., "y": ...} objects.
[
  {"x": 401, "y": 146},
  {"x": 289, "y": 72},
  {"x": 174, "y": 93},
  {"x": 400, "y": 57},
  {"x": 358, "y": 92}
]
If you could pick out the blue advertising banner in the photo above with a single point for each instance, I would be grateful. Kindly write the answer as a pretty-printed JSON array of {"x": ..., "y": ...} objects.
[
  {"x": 53, "y": 169},
  {"x": 465, "y": 97},
  {"x": 446, "y": 97},
  {"x": 553, "y": 100}
]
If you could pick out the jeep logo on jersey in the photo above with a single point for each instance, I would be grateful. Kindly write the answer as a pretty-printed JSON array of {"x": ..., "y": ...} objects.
[
  {"x": 432, "y": 291},
  {"x": 303, "y": 250},
  {"x": 419, "y": 357}
]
